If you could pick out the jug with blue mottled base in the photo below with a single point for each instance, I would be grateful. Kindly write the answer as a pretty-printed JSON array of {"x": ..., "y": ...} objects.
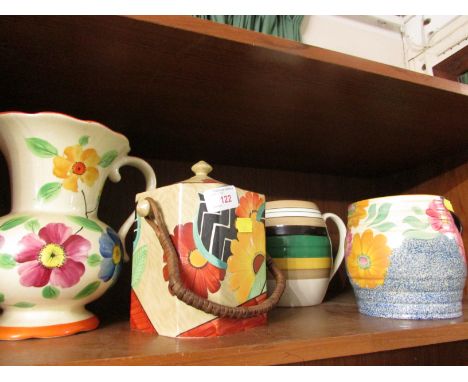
[{"x": 405, "y": 257}]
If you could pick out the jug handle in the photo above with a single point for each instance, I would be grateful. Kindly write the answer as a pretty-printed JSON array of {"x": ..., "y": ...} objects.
[
  {"x": 457, "y": 222},
  {"x": 150, "y": 179},
  {"x": 342, "y": 232},
  {"x": 148, "y": 209}
]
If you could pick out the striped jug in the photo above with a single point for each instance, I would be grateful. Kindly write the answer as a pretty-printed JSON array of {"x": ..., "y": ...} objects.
[{"x": 299, "y": 244}]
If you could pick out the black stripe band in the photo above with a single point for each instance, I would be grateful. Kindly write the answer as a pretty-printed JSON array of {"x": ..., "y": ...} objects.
[{"x": 296, "y": 230}]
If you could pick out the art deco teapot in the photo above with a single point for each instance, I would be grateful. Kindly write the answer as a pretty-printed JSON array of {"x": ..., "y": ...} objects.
[{"x": 199, "y": 259}]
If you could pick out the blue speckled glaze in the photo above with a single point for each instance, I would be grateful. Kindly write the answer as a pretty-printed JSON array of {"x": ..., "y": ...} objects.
[{"x": 425, "y": 280}]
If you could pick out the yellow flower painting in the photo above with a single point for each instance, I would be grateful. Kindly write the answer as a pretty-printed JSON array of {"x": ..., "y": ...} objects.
[
  {"x": 356, "y": 213},
  {"x": 369, "y": 259},
  {"x": 248, "y": 256},
  {"x": 77, "y": 164}
]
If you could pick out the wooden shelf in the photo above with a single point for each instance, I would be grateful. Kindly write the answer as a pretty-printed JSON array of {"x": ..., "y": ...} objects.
[
  {"x": 275, "y": 116},
  {"x": 293, "y": 335},
  {"x": 183, "y": 89}
]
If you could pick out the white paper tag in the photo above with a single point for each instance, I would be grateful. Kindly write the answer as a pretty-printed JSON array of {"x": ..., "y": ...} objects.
[{"x": 221, "y": 198}]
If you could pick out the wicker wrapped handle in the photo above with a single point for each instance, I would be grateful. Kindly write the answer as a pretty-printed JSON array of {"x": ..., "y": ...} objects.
[{"x": 176, "y": 285}]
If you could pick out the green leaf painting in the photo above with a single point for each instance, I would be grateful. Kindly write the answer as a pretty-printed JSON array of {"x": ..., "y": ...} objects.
[
  {"x": 50, "y": 292},
  {"x": 138, "y": 264},
  {"x": 83, "y": 141},
  {"x": 382, "y": 213},
  {"x": 384, "y": 227},
  {"x": 7, "y": 261},
  {"x": 32, "y": 225},
  {"x": 49, "y": 191},
  {"x": 108, "y": 158},
  {"x": 261, "y": 212},
  {"x": 24, "y": 304},
  {"x": 41, "y": 148},
  {"x": 2, "y": 298},
  {"x": 86, "y": 223},
  {"x": 12, "y": 223},
  {"x": 87, "y": 290},
  {"x": 415, "y": 222},
  {"x": 418, "y": 234},
  {"x": 94, "y": 260},
  {"x": 259, "y": 283},
  {"x": 371, "y": 212},
  {"x": 418, "y": 211}
]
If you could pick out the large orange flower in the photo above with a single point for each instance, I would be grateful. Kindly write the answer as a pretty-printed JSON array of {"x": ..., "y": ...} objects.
[
  {"x": 368, "y": 261},
  {"x": 77, "y": 164},
  {"x": 357, "y": 212},
  {"x": 197, "y": 273},
  {"x": 249, "y": 205},
  {"x": 248, "y": 256}
]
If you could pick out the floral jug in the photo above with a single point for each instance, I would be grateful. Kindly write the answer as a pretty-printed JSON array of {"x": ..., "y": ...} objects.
[
  {"x": 55, "y": 254},
  {"x": 199, "y": 259},
  {"x": 405, "y": 257}
]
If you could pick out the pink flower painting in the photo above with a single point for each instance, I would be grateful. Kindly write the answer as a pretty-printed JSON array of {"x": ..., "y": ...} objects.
[
  {"x": 440, "y": 218},
  {"x": 54, "y": 256},
  {"x": 348, "y": 243}
]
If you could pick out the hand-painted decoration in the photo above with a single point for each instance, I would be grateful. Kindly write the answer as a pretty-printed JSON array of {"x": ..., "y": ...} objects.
[
  {"x": 221, "y": 257},
  {"x": 298, "y": 241},
  {"x": 56, "y": 256},
  {"x": 405, "y": 257},
  {"x": 215, "y": 231}
]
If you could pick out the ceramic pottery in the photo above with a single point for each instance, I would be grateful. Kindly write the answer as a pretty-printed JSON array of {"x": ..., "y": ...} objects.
[
  {"x": 405, "y": 257},
  {"x": 218, "y": 232},
  {"x": 55, "y": 254},
  {"x": 298, "y": 242}
]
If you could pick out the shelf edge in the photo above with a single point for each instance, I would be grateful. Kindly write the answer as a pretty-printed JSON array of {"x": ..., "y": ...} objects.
[
  {"x": 288, "y": 352},
  {"x": 246, "y": 37}
]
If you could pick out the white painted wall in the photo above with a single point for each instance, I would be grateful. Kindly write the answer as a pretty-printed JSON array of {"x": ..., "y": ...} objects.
[
  {"x": 427, "y": 45},
  {"x": 358, "y": 36},
  {"x": 402, "y": 41}
]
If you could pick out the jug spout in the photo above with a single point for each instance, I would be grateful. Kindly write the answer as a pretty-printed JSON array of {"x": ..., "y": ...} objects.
[{"x": 58, "y": 163}]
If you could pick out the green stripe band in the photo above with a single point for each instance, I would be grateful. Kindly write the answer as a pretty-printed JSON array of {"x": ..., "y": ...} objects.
[{"x": 299, "y": 246}]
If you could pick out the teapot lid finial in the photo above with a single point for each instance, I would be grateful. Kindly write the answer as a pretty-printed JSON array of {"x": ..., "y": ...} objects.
[{"x": 201, "y": 168}]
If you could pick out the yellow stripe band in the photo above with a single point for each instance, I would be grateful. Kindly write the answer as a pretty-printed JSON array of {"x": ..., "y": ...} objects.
[{"x": 301, "y": 263}]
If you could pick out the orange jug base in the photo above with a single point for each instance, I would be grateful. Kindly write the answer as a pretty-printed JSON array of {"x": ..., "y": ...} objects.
[{"x": 12, "y": 333}]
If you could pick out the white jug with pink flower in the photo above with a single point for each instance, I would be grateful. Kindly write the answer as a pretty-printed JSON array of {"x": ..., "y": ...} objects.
[{"x": 56, "y": 256}]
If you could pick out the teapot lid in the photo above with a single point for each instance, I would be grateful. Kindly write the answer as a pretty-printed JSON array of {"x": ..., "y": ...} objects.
[{"x": 201, "y": 170}]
